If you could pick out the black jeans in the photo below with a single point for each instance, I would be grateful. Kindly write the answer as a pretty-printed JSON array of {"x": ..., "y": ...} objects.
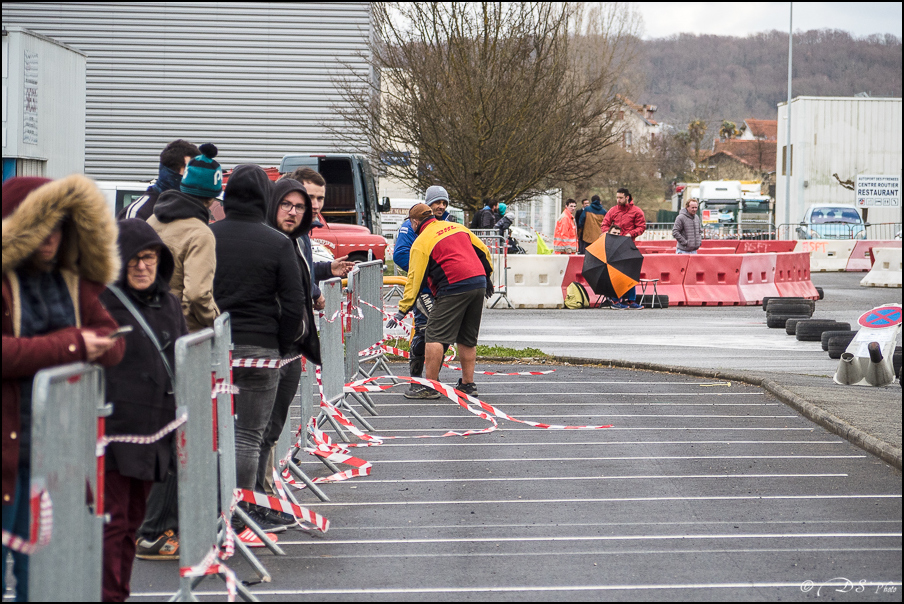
[
  {"x": 289, "y": 376},
  {"x": 253, "y": 407}
]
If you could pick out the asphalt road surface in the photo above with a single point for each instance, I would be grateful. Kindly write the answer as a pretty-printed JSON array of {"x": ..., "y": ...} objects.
[{"x": 700, "y": 490}]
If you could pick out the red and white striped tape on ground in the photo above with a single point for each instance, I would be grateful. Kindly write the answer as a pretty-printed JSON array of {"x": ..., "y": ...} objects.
[
  {"x": 283, "y": 505},
  {"x": 41, "y": 527}
]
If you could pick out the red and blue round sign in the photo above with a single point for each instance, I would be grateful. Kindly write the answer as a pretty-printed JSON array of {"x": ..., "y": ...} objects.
[{"x": 883, "y": 316}]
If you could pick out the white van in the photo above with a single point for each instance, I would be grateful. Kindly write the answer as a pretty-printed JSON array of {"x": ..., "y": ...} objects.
[{"x": 121, "y": 193}]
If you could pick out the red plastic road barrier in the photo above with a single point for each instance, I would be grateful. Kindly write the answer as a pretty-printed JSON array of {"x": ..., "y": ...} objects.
[
  {"x": 712, "y": 280},
  {"x": 721, "y": 243},
  {"x": 717, "y": 250},
  {"x": 765, "y": 247},
  {"x": 792, "y": 275},
  {"x": 670, "y": 269},
  {"x": 757, "y": 278},
  {"x": 573, "y": 273},
  {"x": 860, "y": 256}
]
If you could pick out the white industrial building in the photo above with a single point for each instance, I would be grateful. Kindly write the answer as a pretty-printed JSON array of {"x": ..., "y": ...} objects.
[
  {"x": 843, "y": 136},
  {"x": 254, "y": 78},
  {"x": 41, "y": 135}
]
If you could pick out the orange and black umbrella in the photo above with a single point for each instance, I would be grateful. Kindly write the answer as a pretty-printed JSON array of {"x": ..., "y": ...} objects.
[{"x": 612, "y": 265}]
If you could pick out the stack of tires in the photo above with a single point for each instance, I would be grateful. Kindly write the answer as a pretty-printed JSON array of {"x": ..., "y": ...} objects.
[{"x": 795, "y": 316}]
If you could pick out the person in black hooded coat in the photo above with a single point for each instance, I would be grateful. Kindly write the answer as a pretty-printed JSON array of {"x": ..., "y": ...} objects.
[
  {"x": 283, "y": 214},
  {"x": 258, "y": 282},
  {"x": 142, "y": 395}
]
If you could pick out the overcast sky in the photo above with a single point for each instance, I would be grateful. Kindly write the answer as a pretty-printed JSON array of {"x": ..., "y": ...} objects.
[{"x": 663, "y": 19}]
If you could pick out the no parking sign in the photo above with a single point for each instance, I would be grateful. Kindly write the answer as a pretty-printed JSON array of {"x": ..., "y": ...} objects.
[{"x": 882, "y": 316}]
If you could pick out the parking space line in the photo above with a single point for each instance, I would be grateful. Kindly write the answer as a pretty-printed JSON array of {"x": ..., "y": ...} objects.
[
  {"x": 563, "y": 415},
  {"x": 568, "y": 478},
  {"x": 605, "y": 500},
  {"x": 613, "y": 458},
  {"x": 560, "y": 525},
  {"x": 461, "y": 443},
  {"x": 574, "y": 538},
  {"x": 478, "y": 589}
]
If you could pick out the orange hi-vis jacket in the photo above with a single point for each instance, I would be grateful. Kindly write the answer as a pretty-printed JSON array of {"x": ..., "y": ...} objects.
[{"x": 565, "y": 239}]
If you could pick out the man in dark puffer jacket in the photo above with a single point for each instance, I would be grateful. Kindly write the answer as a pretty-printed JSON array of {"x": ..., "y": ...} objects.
[{"x": 258, "y": 282}]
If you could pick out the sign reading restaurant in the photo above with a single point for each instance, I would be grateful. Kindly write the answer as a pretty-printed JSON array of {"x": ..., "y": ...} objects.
[{"x": 878, "y": 191}]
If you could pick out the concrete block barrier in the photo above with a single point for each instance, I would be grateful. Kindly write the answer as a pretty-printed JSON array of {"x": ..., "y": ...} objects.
[
  {"x": 827, "y": 255},
  {"x": 536, "y": 281},
  {"x": 886, "y": 272},
  {"x": 860, "y": 257},
  {"x": 792, "y": 275},
  {"x": 712, "y": 280},
  {"x": 757, "y": 279},
  {"x": 670, "y": 269},
  {"x": 765, "y": 247}
]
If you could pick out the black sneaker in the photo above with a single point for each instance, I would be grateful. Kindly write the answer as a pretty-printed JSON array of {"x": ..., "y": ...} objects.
[
  {"x": 418, "y": 392},
  {"x": 469, "y": 389},
  {"x": 280, "y": 518},
  {"x": 262, "y": 519}
]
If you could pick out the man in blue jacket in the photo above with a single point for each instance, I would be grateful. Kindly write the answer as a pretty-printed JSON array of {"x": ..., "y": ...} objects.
[{"x": 438, "y": 200}]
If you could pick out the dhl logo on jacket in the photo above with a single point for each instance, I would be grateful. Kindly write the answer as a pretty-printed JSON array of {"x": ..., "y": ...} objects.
[{"x": 444, "y": 253}]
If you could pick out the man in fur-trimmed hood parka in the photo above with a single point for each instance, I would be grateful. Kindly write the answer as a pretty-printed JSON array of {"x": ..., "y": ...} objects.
[{"x": 59, "y": 252}]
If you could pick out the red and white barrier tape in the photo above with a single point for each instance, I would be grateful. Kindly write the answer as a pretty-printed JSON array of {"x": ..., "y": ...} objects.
[
  {"x": 211, "y": 566},
  {"x": 283, "y": 505},
  {"x": 137, "y": 439},
  {"x": 41, "y": 529}
]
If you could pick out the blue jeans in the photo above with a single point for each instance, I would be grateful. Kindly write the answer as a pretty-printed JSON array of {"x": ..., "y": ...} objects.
[
  {"x": 253, "y": 408},
  {"x": 16, "y": 520},
  {"x": 680, "y": 251}
]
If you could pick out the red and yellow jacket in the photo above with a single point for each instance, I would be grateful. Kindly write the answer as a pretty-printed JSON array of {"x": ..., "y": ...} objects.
[{"x": 444, "y": 253}]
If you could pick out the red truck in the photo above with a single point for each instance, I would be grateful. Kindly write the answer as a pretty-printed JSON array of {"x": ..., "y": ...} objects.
[{"x": 351, "y": 206}]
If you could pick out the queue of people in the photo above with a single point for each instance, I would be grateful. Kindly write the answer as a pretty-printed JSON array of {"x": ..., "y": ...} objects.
[{"x": 75, "y": 281}]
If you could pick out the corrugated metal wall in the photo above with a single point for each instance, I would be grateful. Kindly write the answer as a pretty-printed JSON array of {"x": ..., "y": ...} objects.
[{"x": 252, "y": 78}]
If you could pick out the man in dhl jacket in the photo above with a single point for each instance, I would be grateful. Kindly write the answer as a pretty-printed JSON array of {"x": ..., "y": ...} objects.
[{"x": 456, "y": 265}]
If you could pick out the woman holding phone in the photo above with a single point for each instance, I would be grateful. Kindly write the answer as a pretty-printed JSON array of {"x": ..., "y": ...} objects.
[{"x": 141, "y": 390}]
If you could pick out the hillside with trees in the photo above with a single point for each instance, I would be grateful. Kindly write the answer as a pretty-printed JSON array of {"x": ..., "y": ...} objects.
[{"x": 717, "y": 78}]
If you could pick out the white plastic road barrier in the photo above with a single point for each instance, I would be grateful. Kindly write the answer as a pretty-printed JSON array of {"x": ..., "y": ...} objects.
[
  {"x": 827, "y": 255},
  {"x": 886, "y": 272},
  {"x": 536, "y": 281}
]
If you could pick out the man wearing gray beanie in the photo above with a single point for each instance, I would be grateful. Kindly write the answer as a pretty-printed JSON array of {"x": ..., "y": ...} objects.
[{"x": 438, "y": 199}]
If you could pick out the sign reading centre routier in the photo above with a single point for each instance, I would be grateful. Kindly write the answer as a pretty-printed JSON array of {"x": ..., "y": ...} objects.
[{"x": 878, "y": 191}]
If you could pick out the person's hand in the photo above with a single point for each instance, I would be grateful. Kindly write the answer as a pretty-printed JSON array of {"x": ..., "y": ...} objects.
[
  {"x": 320, "y": 303},
  {"x": 95, "y": 345},
  {"x": 490, "y": 289},
  {"x": 395, "y": 320},
  {"x": 341, "y": 266}
]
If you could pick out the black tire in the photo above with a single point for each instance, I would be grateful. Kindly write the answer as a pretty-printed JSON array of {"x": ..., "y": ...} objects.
[
  {"x": 768, "y": 300},
  {"x": 774, "y": 321},
  {"x": 811, "y": 331},
  {"x": 821, "y": 293},
  {"x": 896, "y": 361},
  {"x": 791, "y": 326},
  {"x": 831, "y": 334},
  {"x": 660, "y": 301},
  {"x": 798, "y": 307},
  {"x": 838, "y": 344}
]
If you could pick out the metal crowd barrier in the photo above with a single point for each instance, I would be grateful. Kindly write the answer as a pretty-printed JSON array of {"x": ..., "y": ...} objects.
[
  {"x": 66, "y": 404},
  {"x": 224, "y": 418},
  {"x": 367, "y": 289},
  {"x": 334, "y": 368},
  {"x": 498, "y": 246}
]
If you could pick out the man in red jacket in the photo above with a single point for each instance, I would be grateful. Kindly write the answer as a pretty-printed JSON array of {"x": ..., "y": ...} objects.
[
  {"x": 59, "y": 252},
  {"x": 626, "y": 215}
]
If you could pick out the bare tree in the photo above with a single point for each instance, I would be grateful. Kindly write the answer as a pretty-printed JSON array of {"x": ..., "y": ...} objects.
[{"x": 491, "y": 99}]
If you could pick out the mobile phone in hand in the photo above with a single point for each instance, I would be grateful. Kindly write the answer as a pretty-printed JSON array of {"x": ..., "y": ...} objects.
[{"x": 120, "y": 332}]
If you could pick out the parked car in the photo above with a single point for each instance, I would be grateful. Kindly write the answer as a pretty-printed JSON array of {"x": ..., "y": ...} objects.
[{"x": 832, "y": 222}]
